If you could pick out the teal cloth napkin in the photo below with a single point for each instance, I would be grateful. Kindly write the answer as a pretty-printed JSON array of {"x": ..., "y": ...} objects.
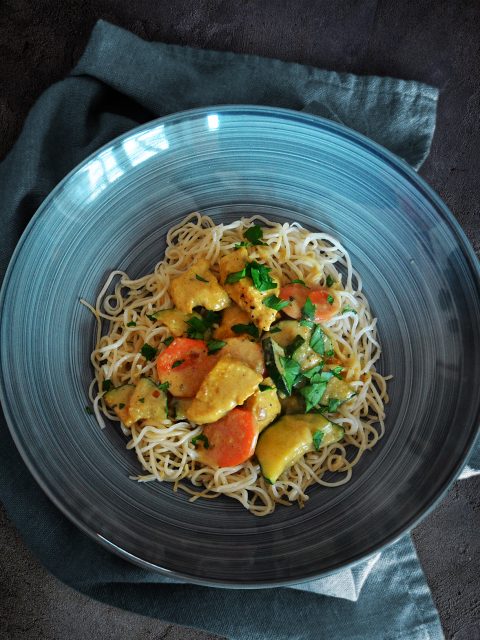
[{"x": 122, "y": 81}]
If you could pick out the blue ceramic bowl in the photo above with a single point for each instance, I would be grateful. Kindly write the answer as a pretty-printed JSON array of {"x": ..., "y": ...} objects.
[{"x": 113, "y": 211}]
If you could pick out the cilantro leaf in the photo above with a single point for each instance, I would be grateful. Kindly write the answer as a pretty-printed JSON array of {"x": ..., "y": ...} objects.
[
  {"x": 337, "y": 372},
  {"x": 163, "y": 386},
  {"x": 201, "y": 438},
  {"x": 308, "y": 310},
  {"x": 307, "y": 323},
  {"x": 313, "y": 394},
  {"x": 196, "y": 328},
  {"x": 239, "y": 245},
  {"x": 200, "y": 278},
  {"x": 291, "y": 372},
  {"x": 293, "y": 346},
  {"x": 168, "y": 340},
  {"x": 330, "y": 299},
  {"x": 148, "y": 352},
  {"x": 265, "y": 387},
  {"x": 254, "y": 235},
  {"x": 250, "y": 328},
  {"x": 333, "y": 404},
  {"x": 215, "y": 345},
  {"x": 275, "y": 330},
  {"x": 151, "y": 317},
  {"x": 298, "y": 282},
  {"x": 259, "y": 273},
  {"x": 234, "y": 277},
  {"x": 177, "y": 363},
  {"x": 131, "y": 324},
  {"x": 317, "y": 340},
  {"x": 324, "y": 376},
  {"x": 317, "y": 439},
  {"x": 330, "y": 281},
  {"x": 310, "y": 373},
  {"x": 273, "y": 302},
  {"x": 348, "y": 309},
  {"x": 107, "y": 385}
]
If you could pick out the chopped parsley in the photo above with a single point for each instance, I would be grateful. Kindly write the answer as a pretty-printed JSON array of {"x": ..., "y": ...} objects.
[
  {"x": 298, "y": 282},
  {"x": 317, "y": 439},
  {"x": 215, "y": 345},
  {"x": 348, "y": 309},
  {"x": 177, "y": 363},
  {"x": 107, "y": 385},
  {"x": 131, "y": 324},
  {"x": 200, "y": 278},
  {"x": 330, "y": 281},
  {"x": 89, "y": 410},
  {"x": 317, "y": 340},
  {"x": 254, "y": 235},
  {"x": 310, "y": 373},
  {"x": 142, "y": 400},
  {"x": 152, "y": 318},
  {"x": 239, "y": 245},
  {"x": 293, "y": 346},
  {"x": 163, "y": 386},
  {"x": 308, "y": 310},
  {"x": 258, "y": 273},
  {"x": 201, "y": 438},
  {"x": 273, "y": 302},
  {"x": 198, "y": 326},
  {"x": 275, "y": 330},
  {"x": 250, "y": 328},
  {"x": 330, "y": 299},
  {"x": 313, "y": 394},
  {"x": 148, "y": 352},
  {"x": 121, "y": 405},
  {"x": 265, "y": 387},
  {"x": 168, "y": 341},
  {"x": 337, "y": 371},
  {"x": 307, "y": 323},
  {"x": 333, "y": 404},
  {"x": 291, "y": 372}
]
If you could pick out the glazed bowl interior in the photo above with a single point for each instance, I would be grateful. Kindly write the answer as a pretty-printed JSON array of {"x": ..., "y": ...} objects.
[{"x": 113, "y": 212}]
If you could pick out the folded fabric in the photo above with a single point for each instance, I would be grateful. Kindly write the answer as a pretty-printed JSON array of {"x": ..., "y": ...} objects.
[{"x": 122, "y": 81}]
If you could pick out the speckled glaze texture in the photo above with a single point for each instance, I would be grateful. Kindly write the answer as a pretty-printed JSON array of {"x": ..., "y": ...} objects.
[{"x": 420, "y": 276}]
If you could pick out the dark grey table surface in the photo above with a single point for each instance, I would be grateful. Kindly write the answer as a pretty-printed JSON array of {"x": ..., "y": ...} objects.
[{"x": 435, "y": 42}]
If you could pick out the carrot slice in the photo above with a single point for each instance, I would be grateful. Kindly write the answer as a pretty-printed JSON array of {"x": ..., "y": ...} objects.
[
  {"x": 325, "y": 300},
  {"x": 184, "y": 364},
  {"x": 231, "y": 440}
]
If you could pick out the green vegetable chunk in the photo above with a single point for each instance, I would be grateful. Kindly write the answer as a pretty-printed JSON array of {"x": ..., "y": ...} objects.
[{"x": 148, "y": 402}]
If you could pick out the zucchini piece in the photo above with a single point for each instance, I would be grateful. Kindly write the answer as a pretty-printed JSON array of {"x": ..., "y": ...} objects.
[
  {"x": 273, "y": 353},
  {"x": 337, "y": 390},
  {"x": 289, "y": 335},
  {"x": 290, "y": 438},
  {"x": 148, "y": 403},
  {"x": 118, "y": 399}
]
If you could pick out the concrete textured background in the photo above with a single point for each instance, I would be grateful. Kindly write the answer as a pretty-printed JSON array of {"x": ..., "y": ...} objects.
[{"x": 437, "y": 42}]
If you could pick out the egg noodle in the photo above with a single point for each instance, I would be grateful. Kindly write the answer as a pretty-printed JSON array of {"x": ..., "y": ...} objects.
[{"x": 166, "y": 453}]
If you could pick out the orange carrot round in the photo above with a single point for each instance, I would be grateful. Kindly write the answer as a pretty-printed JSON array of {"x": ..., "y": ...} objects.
[
  {"x": 326, "y": 301},
  {"x": 231, "y": 440}
]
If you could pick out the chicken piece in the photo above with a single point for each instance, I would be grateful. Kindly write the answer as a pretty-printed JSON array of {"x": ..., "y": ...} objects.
[
  {"x": 190, "y": 290},
  {"x": 232, "y": 315},
  {"x": 244, "y": 293},
  {"x": 246, "y": 350},
  {"x": 264, "y": 405},
  {"x": 228, "y": 384}
]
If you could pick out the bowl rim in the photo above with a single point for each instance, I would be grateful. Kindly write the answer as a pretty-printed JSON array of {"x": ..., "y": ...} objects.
[{"x": 318, "y": 122}]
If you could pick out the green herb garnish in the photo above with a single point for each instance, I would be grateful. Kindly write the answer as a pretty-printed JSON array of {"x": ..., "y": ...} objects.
[
  {"x": 200, "y": 278},
  {"x": 151, "y": 318},
  {"x": 265, "y": 387},
  {"x": 333, "y": 404},
  {"x": 298, "y": 282},
  {"x": 250, "y": 328},
  {"x": 148, "y": 352},
  {"x": 330, "y": 299},
  {"x": 330, "y": 281},
  {"x": 121, "y": 405},
  {"x": 293, "y": 346},
  {"x": 273, "y": 302},
  {"x": 198, "y": 326},
  {"x": 348, "y": 309},
  {"x": 215, "y": 345},
  {"x": 291, "y": 372},
  {"x": 177, "y": 363},
  {"x": 313, "y": 394},
  {"x": 201, "y": 438},
  {"x": 310, "y": 373},
  {"x": 275, "y": 330},
  {"x": 168, "y": 340},
  {"x": 89, "y": 410},
  {"x": 163, "y": 386},
  {"x": 239, "y": 245},
  {"x": 317, "y": 439},
  {"x": 131, "y": 324},
  {"x": 254, "y": 235},
  {"x": 142, "y": 400},
  {"x": 307, "y": 323},
  {"x": 317, "y": 340},
  {"x": 308, "y": 310},
  {"x": 107, "y": 385},
  {"x": 234, "y": 277},
  {"x": 337, "y": 372}
]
